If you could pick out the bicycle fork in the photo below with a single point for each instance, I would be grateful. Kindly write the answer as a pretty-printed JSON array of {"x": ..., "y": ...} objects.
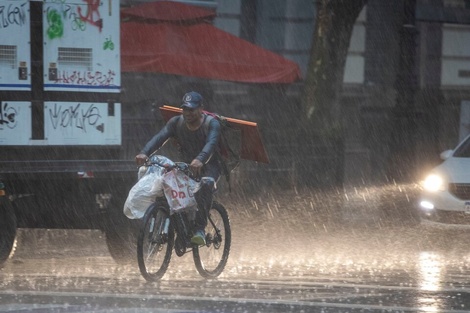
[{"x": 157, "y": 233}]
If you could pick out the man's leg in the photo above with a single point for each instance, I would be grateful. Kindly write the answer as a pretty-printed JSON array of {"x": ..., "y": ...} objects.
[{"x": 204, "y": 202}]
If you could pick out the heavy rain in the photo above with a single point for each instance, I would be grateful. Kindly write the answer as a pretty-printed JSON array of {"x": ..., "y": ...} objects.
[{"x": 340, "y": 111}]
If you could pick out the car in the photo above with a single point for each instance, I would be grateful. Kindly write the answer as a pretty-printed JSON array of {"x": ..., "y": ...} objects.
[{"x": 445, "y": 196}]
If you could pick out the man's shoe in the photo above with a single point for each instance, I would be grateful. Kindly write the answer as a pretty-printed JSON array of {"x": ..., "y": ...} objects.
[{"x": 199, "y": 238}]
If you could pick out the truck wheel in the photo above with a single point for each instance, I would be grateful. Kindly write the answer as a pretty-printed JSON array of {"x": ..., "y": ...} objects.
[
  {"x": 121, "y": 235},
  {"x": 7, "y": 230},
  {"x": 121, "y": 245}
]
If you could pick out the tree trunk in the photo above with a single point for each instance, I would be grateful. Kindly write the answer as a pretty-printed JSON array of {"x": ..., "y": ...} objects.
[{"x": 321, "y": 130}]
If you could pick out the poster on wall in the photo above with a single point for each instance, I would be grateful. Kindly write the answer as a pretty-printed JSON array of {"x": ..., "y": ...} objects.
[
  {"x": 15, "y": 50},
  {"x": 81, "y": 45},
  {"x": 82, "y": 123},
  {"x": 15, "y": 123}
]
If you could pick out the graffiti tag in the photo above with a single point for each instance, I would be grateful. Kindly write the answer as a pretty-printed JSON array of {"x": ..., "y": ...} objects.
[
  {"x": 77, "y": 116},
  {"x": 13, "y": 15},
  {"x": 92, "y": 16},
  {"x": 78, "y": 20},
  {"x": 7, "y": 116},
  {"x": 108, "y": 44},
  {"x": 56, "y": 26},
  {"x": 87, "y": 78}
]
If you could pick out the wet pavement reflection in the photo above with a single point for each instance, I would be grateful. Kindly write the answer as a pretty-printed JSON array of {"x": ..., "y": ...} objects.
[{"x": 300, "y": 252}]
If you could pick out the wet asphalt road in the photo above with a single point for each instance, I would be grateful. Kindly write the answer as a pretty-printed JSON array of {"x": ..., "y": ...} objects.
[{"x": 364, "y": 253}]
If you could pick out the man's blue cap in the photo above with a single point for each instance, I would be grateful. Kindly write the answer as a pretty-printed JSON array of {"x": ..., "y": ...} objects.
[{"x": 192, "y": 100}]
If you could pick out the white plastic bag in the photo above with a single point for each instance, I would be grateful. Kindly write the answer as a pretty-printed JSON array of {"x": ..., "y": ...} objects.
[
  {"x": 178, "y": 189},
  {"x": 143, "y": 193}
]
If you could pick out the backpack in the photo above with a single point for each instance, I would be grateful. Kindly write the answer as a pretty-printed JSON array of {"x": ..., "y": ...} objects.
[{"x": 229, "y": 146}]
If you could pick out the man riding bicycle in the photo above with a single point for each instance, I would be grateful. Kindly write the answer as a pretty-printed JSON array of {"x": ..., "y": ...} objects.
[{"x": 197, "y": 148}]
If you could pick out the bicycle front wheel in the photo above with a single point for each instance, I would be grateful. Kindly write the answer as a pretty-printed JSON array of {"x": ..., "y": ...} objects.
[
  {"x": 155, "y": 243},
  {"x": 210, "y": 260}
]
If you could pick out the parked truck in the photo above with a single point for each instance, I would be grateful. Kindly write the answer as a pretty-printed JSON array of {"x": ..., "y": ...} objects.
[{"x": 62, "y": 161}]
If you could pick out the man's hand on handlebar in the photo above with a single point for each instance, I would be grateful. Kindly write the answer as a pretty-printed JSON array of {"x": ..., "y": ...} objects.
[
  {"x": 196, "y": 167},
  {"x": 140, "y": 159}
]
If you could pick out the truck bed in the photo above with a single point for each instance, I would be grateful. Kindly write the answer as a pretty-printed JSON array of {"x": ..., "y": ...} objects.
[{"x": 65, "y": 166}]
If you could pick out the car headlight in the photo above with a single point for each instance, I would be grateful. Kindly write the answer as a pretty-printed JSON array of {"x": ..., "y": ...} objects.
[{"x": 433, "y": 183}]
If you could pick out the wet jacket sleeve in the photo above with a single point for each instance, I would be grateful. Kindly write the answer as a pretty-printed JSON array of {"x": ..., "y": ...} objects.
[
  {"x": 212, "y": 139},
  {"x": 168, "y": 131}
]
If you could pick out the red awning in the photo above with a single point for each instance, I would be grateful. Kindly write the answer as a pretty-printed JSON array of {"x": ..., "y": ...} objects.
[
  {"x": 167, "y": 11},
  {"x": 197, "y": 50}
]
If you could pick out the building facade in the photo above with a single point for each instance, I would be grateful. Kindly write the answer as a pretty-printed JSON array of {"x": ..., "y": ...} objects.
[{"x": 406, "y": 84}]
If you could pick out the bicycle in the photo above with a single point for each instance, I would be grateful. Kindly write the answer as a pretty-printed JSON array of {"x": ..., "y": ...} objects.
[{"x": 163, "y": 231}]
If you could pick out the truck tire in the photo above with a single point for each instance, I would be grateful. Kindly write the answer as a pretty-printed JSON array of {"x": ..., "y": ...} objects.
[
  {"x": 8, "y": 228},
  {"x": 121, "y": 235}
]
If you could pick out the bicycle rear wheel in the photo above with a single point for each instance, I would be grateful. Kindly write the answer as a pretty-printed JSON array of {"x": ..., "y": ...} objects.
[
  {"x": 155, "y": 243},
  {"x": 210, "y": 260}
]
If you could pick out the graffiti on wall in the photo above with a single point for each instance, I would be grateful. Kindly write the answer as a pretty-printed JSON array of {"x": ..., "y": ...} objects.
[
  {"x": 13, "y": 14},
  {"x": 8, "y": 116},
  {"x": 65, "y": 123},
  {"x": 86, "y": 78},
  {"x": 81, "y": 51},
  {"x": 82, "y": 123},
  {"x": 73, "y": 14},
  {"x": 15, "y": 123},
  {"x": 76, "y": 116},
  {"x": 92, "y": 15},
  {"x": 15, "y": 48}
]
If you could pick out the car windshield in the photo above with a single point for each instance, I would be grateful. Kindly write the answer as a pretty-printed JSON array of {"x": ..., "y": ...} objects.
[{"x": 464, "y": 150}]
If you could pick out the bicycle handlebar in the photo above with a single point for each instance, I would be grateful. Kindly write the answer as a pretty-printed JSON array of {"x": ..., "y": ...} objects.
[{"x": 169, "y": 165}]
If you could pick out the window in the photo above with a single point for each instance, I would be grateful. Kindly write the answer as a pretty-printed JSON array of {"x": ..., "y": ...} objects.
[{"x": 464, "y": 150}]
